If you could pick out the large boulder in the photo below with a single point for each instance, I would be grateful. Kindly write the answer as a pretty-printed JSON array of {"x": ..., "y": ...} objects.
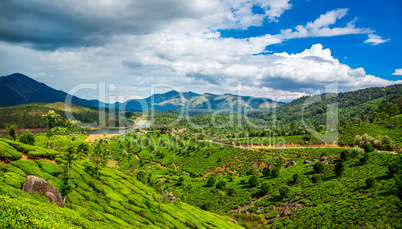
[
  {"x": 34, "y": 184},
  {"x": 325, "y": 159},
  {"x": 307, "y": 162},
  {"x": 291, "y": 163}
]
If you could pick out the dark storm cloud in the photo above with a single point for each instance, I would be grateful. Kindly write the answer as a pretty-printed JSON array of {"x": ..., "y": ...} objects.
[{"x": 50, "y": 25}]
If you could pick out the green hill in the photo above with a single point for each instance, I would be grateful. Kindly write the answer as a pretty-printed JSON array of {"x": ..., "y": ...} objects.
[
  {"x": 116, "y": 200},
  {"x": 334, "y": 202},
  {"x": 30, "y": 115}
]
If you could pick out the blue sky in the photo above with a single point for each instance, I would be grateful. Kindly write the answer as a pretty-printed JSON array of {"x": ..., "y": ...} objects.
[
  {"x": 384, "y": 17},
  {"x": 279, "y": 49}
]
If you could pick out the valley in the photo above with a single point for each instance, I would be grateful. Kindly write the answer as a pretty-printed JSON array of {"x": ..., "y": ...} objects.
[{"x": 206, "y": 170}]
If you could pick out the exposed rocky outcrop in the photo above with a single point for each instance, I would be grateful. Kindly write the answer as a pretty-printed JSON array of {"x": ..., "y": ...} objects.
[
  {"x": 291, "y": 163},
  {"x": 325, "y": 159},
  {"x": 34, "y": 184},
  {"x": 307, "y": 162}
]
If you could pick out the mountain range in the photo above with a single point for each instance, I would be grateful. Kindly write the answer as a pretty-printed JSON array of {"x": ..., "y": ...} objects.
[{"x": 18, "y": 88}]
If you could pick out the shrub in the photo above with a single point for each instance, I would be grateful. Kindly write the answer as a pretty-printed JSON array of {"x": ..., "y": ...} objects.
[
  {"x": 221, "y": 185},
  {"x": 364, "y": 159},
  {"x": 253, "y": 180},
  {"x": 27, "y": 138},
  {"x": 316, "y": 178},
  {"x": 339, "y": 168},
  {"x": 275, "y": 172},
  {"x": 392, "y": 169},
  {"x": 284, "y": 191},
  {"x": 142, "y": 176},
  {"x": 266, "y": 188},
  {"x": 211, "y": 181},
  {"x": 253, "y": 171},
  {"x": 345, "y": 155},
  {"x": 318, "y": 167},
  {"x": 368, "y": 148},
  {"x": 370, "y": 182},
  {"x": 231, "y": 191},
  {"x": 266, "y": 171}
]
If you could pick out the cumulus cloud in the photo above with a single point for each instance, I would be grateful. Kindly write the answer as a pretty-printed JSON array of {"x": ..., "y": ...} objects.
[
  {"x": 375, "y": 39},
  {"x": 398, "y": 72},
  {"x": 48, "y": 25},
  {"x": 135, "y": 44}
]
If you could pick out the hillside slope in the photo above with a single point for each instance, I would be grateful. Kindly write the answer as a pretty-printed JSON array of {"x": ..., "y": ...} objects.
[{"x": 116, "y": 200}]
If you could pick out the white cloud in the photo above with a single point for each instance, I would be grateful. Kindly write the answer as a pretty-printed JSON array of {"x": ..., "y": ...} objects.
[
  {"x": 180, "y": 46},
  {"x": 321, "y": 27},
  {"x": 375, "y": 39},
  {"x": 398, "y": 72}
]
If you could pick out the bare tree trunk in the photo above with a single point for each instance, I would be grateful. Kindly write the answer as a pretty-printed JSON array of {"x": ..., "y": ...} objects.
[
  {"x": 220, "y": 208},
  {"x": 48, "y": 143}
]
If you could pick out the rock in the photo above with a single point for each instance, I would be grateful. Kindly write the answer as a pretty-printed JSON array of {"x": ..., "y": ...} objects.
[
  {"x": 325, "y": 159},
  {"x": 307, "y": 162},
  {"x": 291, "y": 163},
  {"x": 234, "y": 221},
  {"x": 34, "y": 184}
]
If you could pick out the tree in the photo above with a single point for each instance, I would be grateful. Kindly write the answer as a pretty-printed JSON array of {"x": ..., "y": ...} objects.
[
  {"x": 12, "y": 132},
  {"x": 339, "y": 168},
  {"x": 318, "y": 167},
  {"x": 266, "y": 188},
  {"x": 254, "y": 181},
  {"x": 51, "y": 119},
  {"x": 71, "y": 125},
  {"x": 275, "y": 172},
  {"x": 211, "y": 181},
  {"x": 370, "y": 182},
  {"x": 100, "y": 154},
  {"x": 222, "y": 195},
  {"x": 83, "y": 148},
  {"x": 27, "y": 138},
  {"x": 65, "y": 187},
  {"x": 266, "y": 171},
  {"x": 284, "y": 191},
  {"x": 70, "y": 155},
  {"x": 356, "y": 153},
  {"x": 221, "y": 185},
  {"x": 316, "y": 178}
]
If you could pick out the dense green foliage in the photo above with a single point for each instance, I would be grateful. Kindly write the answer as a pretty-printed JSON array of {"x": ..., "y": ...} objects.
[
  {"x": 162, "y": 178},
  {"x": 30, "y": 115},
  {"x": 116, "y": 200}
]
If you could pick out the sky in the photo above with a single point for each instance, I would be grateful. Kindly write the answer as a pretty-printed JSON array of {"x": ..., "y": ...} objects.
[{"x": 278, "y": 49}]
